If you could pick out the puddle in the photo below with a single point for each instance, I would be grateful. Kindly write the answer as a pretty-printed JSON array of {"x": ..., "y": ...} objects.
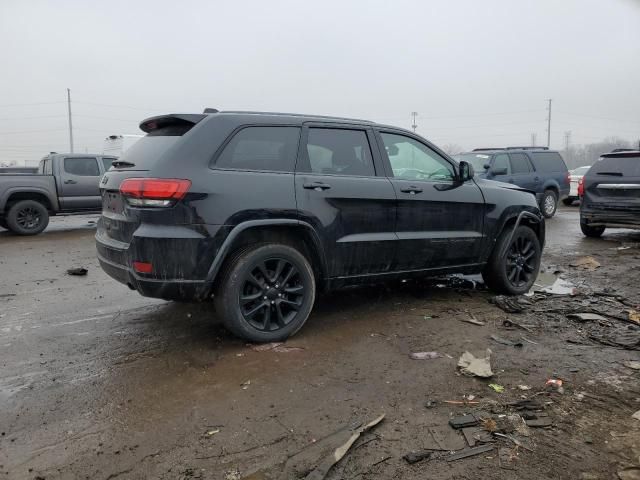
[{"x": 550, "y": 283}]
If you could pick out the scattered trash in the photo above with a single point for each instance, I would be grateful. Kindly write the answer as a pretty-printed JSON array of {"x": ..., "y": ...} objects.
[
  {"x": 540, "y": 422},
  {"x": 489, "y": 424},
  {"x": 629, "y": 473},
  {"x": 636, "y": 415},
  {"x": 461, "y": 402},
  {"x": 586, "y": 317},
  {"x": 504, "y": 341},
  {"x": 329, "y": 461},
  {"x": 511, "y": 323},
  {"x": 632, "y": 364},
  {"x": 475, "y": 435},
  {"x": 524, "y": 387},
  {"x": 443, "y": 439},
  {"x": 528, "y": 341},
  {"x": 496, "y": 388},
  {"x": 463, "y": 421},
  {"x": 246, "y": 384},
  {"x": 415, "y": 457},
  {"x": 550, "y": 284},
  {"x": 278, "y": 347},
  {"x": 508, "y": 304},
  {"x": 587, "y": 263},
  {"x": 507, "y": 457},
  {"x": 634, "y": 316},
  {"x": 430, "y": 404},
  {"x": 80, "y": 271},
  {"x": 479, "y": 367},
  {"x": 424, "y": 355},
  {"x": 472, "y": 319},
  {"x": 470, "y": 452},
  {"x": 554, "y": 384},
  {"x": 213, "y": 432},
  {"x": 628, "y": 340}
]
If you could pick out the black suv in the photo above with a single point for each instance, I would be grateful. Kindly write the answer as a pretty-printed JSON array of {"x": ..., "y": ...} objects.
[
  {"x": 610, "y": 193},
  {"x": 538, "y": 169},
  {"x": 263, "y": 210}
]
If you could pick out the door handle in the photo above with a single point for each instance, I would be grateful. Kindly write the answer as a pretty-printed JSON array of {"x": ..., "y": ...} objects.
[
  {"x": 411, "y": 189},
  {"x": 318, "y": 186},
  {"x": 70, "y": 181}
]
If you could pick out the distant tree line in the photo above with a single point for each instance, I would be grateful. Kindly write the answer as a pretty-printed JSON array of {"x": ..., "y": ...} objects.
[{"x": 579, "y": 155}]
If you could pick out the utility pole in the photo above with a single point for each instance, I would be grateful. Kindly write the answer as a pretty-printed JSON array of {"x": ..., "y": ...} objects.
[
  {"x": 549, "y": 126},
  {"x": 70, "y": 122},
  {"x": 567, "y": 140},
  {"x": 414, "y": 115},
  {"x": 534, "y": 137}
]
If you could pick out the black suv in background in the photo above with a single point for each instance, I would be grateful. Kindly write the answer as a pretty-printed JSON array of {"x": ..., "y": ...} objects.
[
  {"x": 538, "y": 169},
  {"x": 262, "y": 210},
  {"x": 610, "y": 193}
]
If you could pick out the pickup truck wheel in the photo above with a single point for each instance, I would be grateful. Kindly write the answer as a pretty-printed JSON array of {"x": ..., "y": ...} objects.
[
  {"x": 549, "y": 203},
  {"x": 513, "y": 268},
  {"x": 592, "y": 232},
  {"x": 27, "y": 217},
  {"x": 266, "y": 292}
]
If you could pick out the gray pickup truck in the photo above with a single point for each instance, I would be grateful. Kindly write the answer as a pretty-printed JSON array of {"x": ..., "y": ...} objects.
[{"x": 64, "y": 183}]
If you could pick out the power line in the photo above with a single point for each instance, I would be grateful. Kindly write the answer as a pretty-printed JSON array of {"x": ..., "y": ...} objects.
[
  {"x": 11, "y": 119},
  {"x": 28, "y": 104}
]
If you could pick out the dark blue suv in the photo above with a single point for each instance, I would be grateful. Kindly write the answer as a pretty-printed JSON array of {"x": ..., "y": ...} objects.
[{"x": 538, "y": 169}]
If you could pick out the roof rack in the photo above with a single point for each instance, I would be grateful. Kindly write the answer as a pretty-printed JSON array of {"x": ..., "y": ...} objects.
[
  {"x": 487, "y": 149},
  {"x": 527, "y": 148}
]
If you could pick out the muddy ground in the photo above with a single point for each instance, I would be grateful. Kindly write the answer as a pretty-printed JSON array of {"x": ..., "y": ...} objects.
[{"x": 98, "y": 382}]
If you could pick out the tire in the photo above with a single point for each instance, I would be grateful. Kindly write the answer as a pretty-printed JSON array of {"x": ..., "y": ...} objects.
[
  {"x": 591, "y": 232},
  {"x": 524, "y": 252},
  {"x": 27, "y": 217},
  {"x": 3, "y": 224},
  {"x": 568, "y": 201},
  {"x": 549, "y": 203},
  {"x": 278, "y": 286}
]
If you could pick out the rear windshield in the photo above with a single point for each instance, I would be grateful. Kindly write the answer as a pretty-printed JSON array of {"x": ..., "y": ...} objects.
[
  {"x": 548, "y": 162},
  {"x": 618, "y": 166},
  {"x": 144, "y": 153}
]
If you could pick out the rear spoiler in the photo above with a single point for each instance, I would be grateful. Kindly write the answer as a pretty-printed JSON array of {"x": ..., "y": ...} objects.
[{"x": 173, "y": 119}]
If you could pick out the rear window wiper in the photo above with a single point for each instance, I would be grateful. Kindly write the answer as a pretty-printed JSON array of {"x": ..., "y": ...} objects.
[
  {"x": 122, "y": 163},
  {"x": 614, "y": 174}
]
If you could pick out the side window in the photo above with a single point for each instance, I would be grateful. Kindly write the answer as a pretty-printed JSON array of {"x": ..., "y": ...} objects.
[
  {"x": 548, "y": 162},
  {"x": 501, "y": 164},
  {"x": 261, "y": 148},
  {"x": 520, "y": 163},
  {"x": 337, "y": 151},
  {"x": 107, "y": 161},
  {"x": 413, "y": 160},
  {"x": 83, "y": 167}
]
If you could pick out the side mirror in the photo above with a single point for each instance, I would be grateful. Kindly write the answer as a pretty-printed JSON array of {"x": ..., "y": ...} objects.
[
  {"x": 499, "y": 171},
  {"x": 465, "y": 171}
]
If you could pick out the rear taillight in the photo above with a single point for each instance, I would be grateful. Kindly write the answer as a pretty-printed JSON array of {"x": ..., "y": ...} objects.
[
  {"x": 581, "y": 187},
  {"x": 154, "y": 192}
]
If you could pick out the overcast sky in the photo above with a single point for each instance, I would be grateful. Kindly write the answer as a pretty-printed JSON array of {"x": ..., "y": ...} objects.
[{"x": 477, "y": 72}]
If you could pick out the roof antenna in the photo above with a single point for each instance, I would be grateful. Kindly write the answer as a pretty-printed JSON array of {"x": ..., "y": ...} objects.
[{"x": 210, "y": 110}]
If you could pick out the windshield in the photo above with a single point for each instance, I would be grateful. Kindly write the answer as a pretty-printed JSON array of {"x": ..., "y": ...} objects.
[{"x": 477, "y": 160}]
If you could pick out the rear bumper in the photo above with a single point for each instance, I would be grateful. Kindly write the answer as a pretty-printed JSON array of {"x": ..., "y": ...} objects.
[
  {"x": 611, "y": 219},
  {"x": 180, "y": 258}
]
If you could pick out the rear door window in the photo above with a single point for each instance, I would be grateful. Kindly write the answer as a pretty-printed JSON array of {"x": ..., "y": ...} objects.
[
  {"x": 520, "y": 163},
  {"x": 548, "y": 162},
  {"x": 82, "y": 167},
  {"x": 261, "y": 148},
  {"x": 336, "y": 151},
  {"x": 617, "y": 166}
]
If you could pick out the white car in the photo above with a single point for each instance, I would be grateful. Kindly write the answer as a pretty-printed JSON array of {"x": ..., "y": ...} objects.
[{"x": 575, "y": 175}]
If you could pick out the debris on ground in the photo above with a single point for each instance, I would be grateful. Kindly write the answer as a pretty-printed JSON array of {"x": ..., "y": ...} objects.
[
  {"x": 632, "y": 364},
  {"x": 511, "y": 324},
  {"x": 473, "y": 320},
  {"x": 636, "y": 415},
  {"x": 508, "y": 304},
  {"x": 470, "y": 452},
  {"x": 245, "y": 385},
  {"x": 587, "y": 263},
  {"x": 278, "y": 347},
  {"x": 629, "y": 340},
  {"x": 80, "y": 271},
  {"x": 213, "y": 432},
  {"x": 444, "y": 439},
  {"x": 424, "y": 355},
  {"x": 463, "y": 421},
  {"x": 475, "y": 366},
  {"x": 475, "y": 435},
  {"x": 634, "y": 316},
  {"x": 550, "y": 284},
  {"x": 504, "y": 341},
  {"x": 586, "y": 317},
  {"x": 540, "y": 422},
  {"x": 554, "y": 384},
  {"x": 415, "y": 457},
  {"x": 496, "y": 388},
  {"x": 430, "y": 404},
  {"x": 334, "y": 457},
  {"x": 524, "y": 387}
]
